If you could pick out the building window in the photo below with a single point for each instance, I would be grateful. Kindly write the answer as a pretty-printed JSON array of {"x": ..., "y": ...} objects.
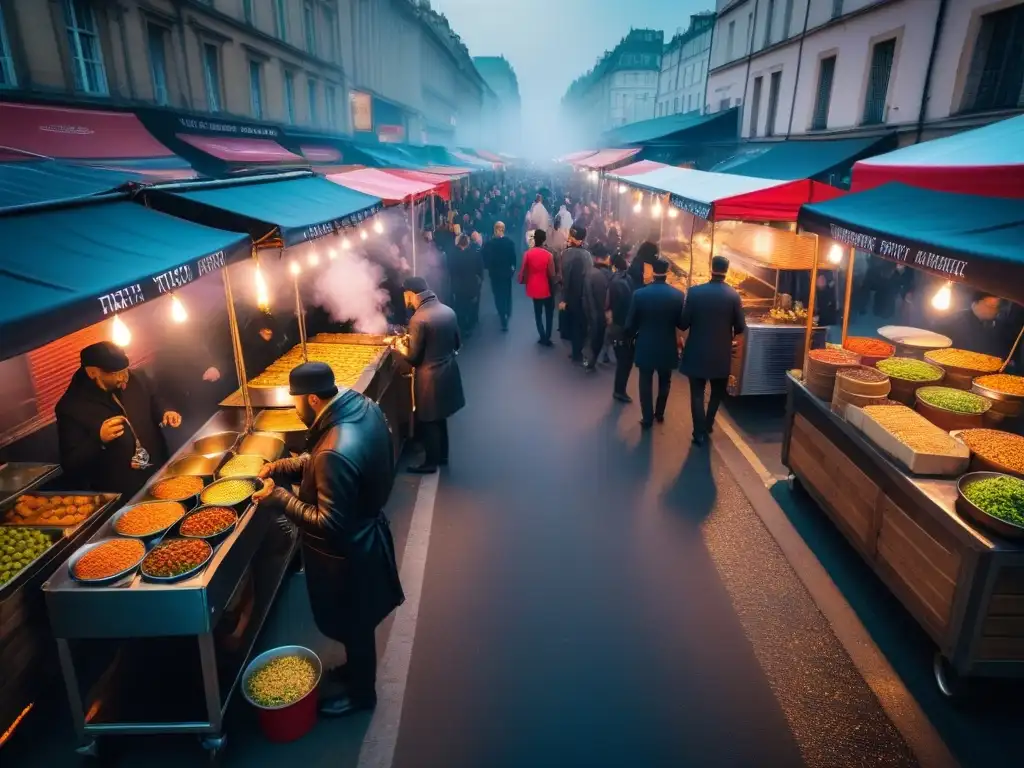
[
  {"x": 256, "y": 89},
  {"x": 7, "y": 77},
  {"x": 211, "y": 76},
  {"x": 773, "y": 103},
  {"x": 281, "y": 18},
  {"x": 331, "y": 24},
  {"x": 882, "y": 56},
  {"x": 158, "y": 63},
  {"x": 730, "y": 39},
  {"x": 86, "y": 55},
  {"x": 247, "y": 11},
  {"x": 309, "y": 21},
  {"x": 755, "y": 106},
  {"x": 750, "y": 33},
  {"x": 837, "y": 8},
  {"x": 289, "y": 96},
  {"x": 675, "y": 105},
  {"x": 996, "y": 76},
  {"x": 311, "y": 93},
  {"x": 769, "y": 18},
  {"x": 826, "y": 74},
  {"x": 787, "y": 20},
  {"x": 331, "y": 97}
]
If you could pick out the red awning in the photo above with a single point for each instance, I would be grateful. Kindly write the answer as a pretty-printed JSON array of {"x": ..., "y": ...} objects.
[
  {"x": 442, "y": 184},
  {"x": 389, "y": 188},
  {"x": 320, "y": 154},
  {"x": 642, "y": 166},
  {"x": 242, "y": 151},
  {"x": 75, "y": 134},
  {"x": 490, "y": 156},
  {"x": 606, "y": 158},
  {"x": 574, "y": 157}
]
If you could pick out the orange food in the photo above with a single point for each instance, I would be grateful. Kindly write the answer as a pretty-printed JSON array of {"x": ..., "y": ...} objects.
[
  {"x": 869, "y": 347},
  {"x": 964, "y": 358},
  {"x": 1002, "y": 382},
  {"x": 149, "y": 517},
  {"x": 110, "y": 558},
  {"x": 177, "y": 488}
]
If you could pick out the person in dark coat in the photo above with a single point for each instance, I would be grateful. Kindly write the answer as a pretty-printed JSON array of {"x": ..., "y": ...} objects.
[
  {"x": 981, "y": 327},
  {"x": 576, "y": 263},
  {"x": 643, "y": 262},
  {"x": 104, "y": 416},
  {"x": 344, "y": 478},
  {"x": 714, "y": 317},
  {"x": 499, "y": 257},
  {"x": 467, "y": 273},
  {"x": 655, "y": 315},
  {"x": 595, "y": 301},
  {"x": 434, "y": 341},
  {"x": 620, "y": 295}
]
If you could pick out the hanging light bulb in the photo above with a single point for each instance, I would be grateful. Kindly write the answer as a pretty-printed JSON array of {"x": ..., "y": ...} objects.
[
  {"x": 362, "y": 234},
  {"x": 638, "y": 208},
  {"x": 262, "y": 294},
  {"x": 119, "y": 333},
  {"x": 673, "y": 212},
  {"x": 345, "y": 244},
  {"x": 332, "y": 254},
  {"x": 378, "y": 227},
  {"x": 656, "y": 210},
  {"x": 178, "y": 313},
  {"x": 314, "y": 258},
  {"x": 622, "y": 189},
  {"x": 835, "y": 254},
  {"x": 943, "y": 297},
  {"x": 294, "y": 268}
]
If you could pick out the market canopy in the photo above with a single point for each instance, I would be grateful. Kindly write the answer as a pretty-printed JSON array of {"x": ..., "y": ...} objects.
[
  {"x": 384, "y": 156},
  {"x": 299, "y": 209},
  {"x": 674, "y": 129},
  {"x": 67, "y": 268},
  {"x": 964, "y": 238},
  {"x": 472, "y": 160},
  {"x": 987, "y": 161},
  {"x": 606, "y": 158},
  {"x": 641, "y": 166},
  {"x": 442, "y": 185},
  {"x": 451, "y": 171},
  {"x": 723, "y": 196},
  {"x": 574, "y": 157},
  {"x": 805, "y": 159},
  {"x": 378, "y": 183},
  {"x": 42, "y": 181},
  {"x": 242, "y": 152}
]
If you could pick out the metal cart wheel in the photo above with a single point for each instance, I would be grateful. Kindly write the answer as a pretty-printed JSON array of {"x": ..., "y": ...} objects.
[
  {"x": 214, "y": 744},
  {"x": 793, "y": 483},
  {"x": 951, "y": 684}
]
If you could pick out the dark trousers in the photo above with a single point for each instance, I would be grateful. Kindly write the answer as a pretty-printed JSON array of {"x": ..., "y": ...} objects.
[
  {"x": 703, "y": 420},
  {"x": 466, "y": 303},
  {"x": 361, "y": 663},
  {"x": 596, "y": 332},
  {"x": 545, "y": 307},
  {"x": 623, "y": 365},
  {"x": 434, "y": 436},
  {"x": 646, "y": 385},
  {"x": 577, "y": 321},
  {"x": 502, "y": 290}
]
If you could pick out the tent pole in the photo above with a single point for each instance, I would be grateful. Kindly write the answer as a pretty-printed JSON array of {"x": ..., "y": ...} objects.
[
  {"x": 848, "y": 293},
  {"x": 810, "y": 306},
  {"x": 299, "y": 314},
  {"x": 412, "y": 217},
  {"x": 433, "y": 213},
  {"x": 236, "y": 345},
  {"x": 600, "y": 196},
  {"x": 661, "y": 224}
]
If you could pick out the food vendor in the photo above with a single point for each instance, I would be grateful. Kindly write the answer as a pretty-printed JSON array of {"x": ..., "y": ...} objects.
[
  {"x": 981, "y": 327},
  {"x": 108, "y": 424}
]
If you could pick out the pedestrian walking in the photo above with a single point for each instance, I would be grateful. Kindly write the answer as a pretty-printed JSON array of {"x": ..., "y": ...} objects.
[
  {"x": 714, "y": 317},
  {"x": 620, "y": 295},
  {"x": 537, "y": 273},
  {"x": 641, "y": 268},
  {"x": 595, "y": 301},
  {"x": 499, "y": 256},
  {"x": 344, "y": 480},
  {"x": 576, "y": 262},
  {"x": 655, "y": 316},
  {"x": 466, "y": 272}
]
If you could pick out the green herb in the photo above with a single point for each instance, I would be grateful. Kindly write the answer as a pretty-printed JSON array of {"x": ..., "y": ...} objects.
[
  {"x": 953, "y": 399},
  {"x": 1002, "y": 497},
  {"x": 909, "y": 369}
]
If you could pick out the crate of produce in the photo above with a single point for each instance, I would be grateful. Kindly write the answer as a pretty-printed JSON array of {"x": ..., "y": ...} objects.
[
  {"x": 907, "y": 375},
  {"x": 994, "y": 501},
  {"x": 950, "y": 408},
  {"x": 993, "y": 450},
  {"x": 870, "y": 350},
  {"x": 913, "y": 441}
]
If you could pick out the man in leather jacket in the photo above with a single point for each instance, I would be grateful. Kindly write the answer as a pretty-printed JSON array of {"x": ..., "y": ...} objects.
[{"x": 344, "y": 479}]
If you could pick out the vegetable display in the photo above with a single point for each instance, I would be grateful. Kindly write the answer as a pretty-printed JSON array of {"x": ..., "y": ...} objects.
[
  {"x": 955, "y": 400},
  {"x": 175, "y": 557},
  {"x": 997, "y": 447},
  {"x": 109, "y": 558},
  {"x": 281, "y": 681},
  {"x": 31, "y": 509},
  {"x": 909, "y": 369},
  {"x": 18, "y": 548},
  {"x": 242, "y": 465},
  {"x": 867, "y": 347},
  {"x": 913, "y": 430},
  {"x": 964, "y": 358},
  {"x": 176, "y": 488},
  {"x": 1001, "y": 497},
  {"x": 208, "y": 522},
  {"x": 1002, "y": 382},
  {"x": 834, "y": 356},
  {"x": 232, "y": 491},
  {"x": 148, "y": 518}
]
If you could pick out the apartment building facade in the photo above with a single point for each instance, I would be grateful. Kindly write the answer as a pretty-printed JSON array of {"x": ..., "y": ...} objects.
[
  {"x": 922, "y": 68},
  {"x": 684, "y": 67},
  {"x": 505, "y": 130}
]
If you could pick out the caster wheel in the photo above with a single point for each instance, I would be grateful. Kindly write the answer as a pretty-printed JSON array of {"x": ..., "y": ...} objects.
[
  {"x": 794, "y": 484},
  {"x": 214, "y": 745},
  {"x": 951, "y": 684}
]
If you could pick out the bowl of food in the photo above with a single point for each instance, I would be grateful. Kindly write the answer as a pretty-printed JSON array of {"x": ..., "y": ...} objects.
[
  {"x": 147, "y": 520},
  {"x": 951, "y": 408},
  {"x": 198, "y": 464},
  {"x": 211, "y": 523},
  {"x": 181, "y": 488},
  {"x": 218, "y": 442},
  {"x": 993, "y": 450},
  {"x": 176, "y": 560},
  {"x": 870, "y": 350},
  {"x": 994, "y": 501},
  {"x": 268, "y": 445},
  {"x": 281, "y": 684},
  {"x": 242, "y": 465},
  {"x": 907, "y": 375},
  {"x": 1006, "y": 393},
  {"x": 235, "y": 492},
  {"x": 106, "y": 561},
  {"x": 962, "y": 366}
]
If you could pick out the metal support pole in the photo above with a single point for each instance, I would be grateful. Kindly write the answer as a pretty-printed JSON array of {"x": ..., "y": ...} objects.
[
  {"x": 236, "y": 344},
  {"x": 600, "y": 196},
  {"x": 661, "y": 224},
  {"x": 412, "y": 216},
  {"x": 433, "y": 213},
  {"x": 300, "y": 315},
  {"x": 810, "y": 306},
  {"x": 1013, "y": 349},
  {"x": 848, "y": 293}
]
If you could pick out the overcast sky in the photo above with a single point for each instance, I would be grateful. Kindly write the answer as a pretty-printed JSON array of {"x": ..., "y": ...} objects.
[{"x": 551, "y": 42}]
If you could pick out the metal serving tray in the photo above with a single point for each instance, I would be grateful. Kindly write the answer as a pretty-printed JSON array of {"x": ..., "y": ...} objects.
[
  {"x": 18, "y": 477},
  {"x": 181, "y": 576},
  {"x": 268, "y": 445},
  {"x": 57, "y": 535},
  {"x": 104, "y": 582}
]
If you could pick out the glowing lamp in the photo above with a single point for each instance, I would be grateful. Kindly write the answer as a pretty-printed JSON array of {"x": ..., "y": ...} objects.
[
  {"x": 638, "y": 208},
  {"x": 314, "y": 258},
  {"x": 673, "y": 213},
  {"x": 656, "y": 210},
  {"x": 119, "y": 333},
  {"x": 178, "y": 313},
  {"x": 378, "y": 227},
  {"x": 294, "y": 268},
  {"x": 262, "y": 294},
  {"x": 622, "y": 189},
  {"x": 345, "y": 244},
  {"x": 362, "y": 234},
  {"x": 943, "y": 297},
  {"x": 835, "y": 254}
]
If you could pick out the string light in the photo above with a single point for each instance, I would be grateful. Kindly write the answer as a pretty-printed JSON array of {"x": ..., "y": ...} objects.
[
  {"x": 656, "y": 210},
  {"x": 673, "y": 212},
  {"x": 638, "y": 208},
  {"x": 314, "y": 258},
  {"x": 119, "y": 332},
  {"x": 345, "y": 244},
  {"x": 378, "y": 227},
  {"x": 262, "y": 294},
  {"x": 622, "y": 189},
  {"x": 835, "y": 254},
  {"x": 294, "y": 268},
  {"x": 362, "y": 234},
  {"x": 178, "y": 313},
  {"x": 943, "y": 297},
  {"x": 332, "y": 254}
]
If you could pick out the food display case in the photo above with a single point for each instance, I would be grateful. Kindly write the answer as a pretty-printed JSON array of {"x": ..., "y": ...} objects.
[{"x": 189, "y": 640}]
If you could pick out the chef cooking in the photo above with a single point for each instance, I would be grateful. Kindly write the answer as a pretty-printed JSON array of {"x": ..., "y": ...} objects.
[{"x": 109, "y": 424}]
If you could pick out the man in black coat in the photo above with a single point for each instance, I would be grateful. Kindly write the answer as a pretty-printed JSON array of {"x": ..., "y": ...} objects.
[
  {"x": 620, "y": 296},
  {"x": 655, "y": 316},
  {"x": 103, "y": 417},
  {"x": 499, "y": 257},
  {"x": 714, "y": 317},
  {"x": 434, "y": 342},
  {"x": 344, "y": 478},
  {"x": 576, "y": 263},
  {"x": 595, "y": 300},
  {"x": 466, "y": 269}
]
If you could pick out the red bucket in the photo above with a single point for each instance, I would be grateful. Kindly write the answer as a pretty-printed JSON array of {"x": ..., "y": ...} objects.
[{"x": 291, "y": 721}]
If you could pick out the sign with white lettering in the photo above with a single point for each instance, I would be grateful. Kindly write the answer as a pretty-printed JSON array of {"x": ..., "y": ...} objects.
[
  {"x": 323, "y": 229},
  {"x": 700, "y": 210},
  {"x": 228, "y": 129}
]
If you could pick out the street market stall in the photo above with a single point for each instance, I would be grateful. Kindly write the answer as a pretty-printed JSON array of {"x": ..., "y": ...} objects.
[
  {"x": 724, "y": 214},
  {"x": 895, "y": 481}
]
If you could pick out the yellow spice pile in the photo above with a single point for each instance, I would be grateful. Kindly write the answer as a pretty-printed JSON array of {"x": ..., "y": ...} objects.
[{"x": 913, "y": 430}]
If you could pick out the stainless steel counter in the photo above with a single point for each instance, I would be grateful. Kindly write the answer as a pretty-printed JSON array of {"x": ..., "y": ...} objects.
[{"x": 765, "y": 355}]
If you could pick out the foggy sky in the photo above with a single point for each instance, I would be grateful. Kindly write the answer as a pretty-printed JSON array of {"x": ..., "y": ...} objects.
[{"x": 551, "y": 42}]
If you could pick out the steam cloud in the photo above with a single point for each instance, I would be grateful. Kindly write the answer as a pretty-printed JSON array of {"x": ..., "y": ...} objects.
[{"x": 349, "y": 289}]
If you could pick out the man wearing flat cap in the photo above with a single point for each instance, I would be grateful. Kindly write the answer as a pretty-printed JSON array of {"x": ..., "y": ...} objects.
[
  {"x": 106, "y": 414},
  {"x": 577, "y": 262},
  {"x": 344, "y": 479},
  {"x": 437, "y": 384}
]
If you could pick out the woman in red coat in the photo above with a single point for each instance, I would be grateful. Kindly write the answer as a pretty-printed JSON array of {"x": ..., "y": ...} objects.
[{"x": 538, "y": 275}]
